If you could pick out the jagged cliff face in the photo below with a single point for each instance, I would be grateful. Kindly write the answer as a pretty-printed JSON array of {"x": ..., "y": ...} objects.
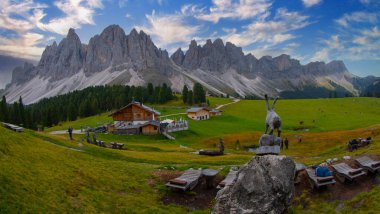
[
  {"x": 227, "y": 68},
  {"x": 116, "y": 58},
  {"x": 109, "y": 58}
]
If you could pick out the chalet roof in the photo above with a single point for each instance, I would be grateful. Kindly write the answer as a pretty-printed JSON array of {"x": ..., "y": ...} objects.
[
  {"x": 152, "y": 122},
  {"x": 147, "y": 108},
  {"x": 215, "y": 110},
  {"x": 196, "y": 109}
]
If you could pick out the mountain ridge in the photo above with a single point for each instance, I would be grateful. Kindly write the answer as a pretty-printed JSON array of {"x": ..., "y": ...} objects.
[{"x": 113, "y": 57}]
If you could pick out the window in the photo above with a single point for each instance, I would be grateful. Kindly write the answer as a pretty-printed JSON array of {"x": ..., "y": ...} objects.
[{"x": 155, "y": 128}]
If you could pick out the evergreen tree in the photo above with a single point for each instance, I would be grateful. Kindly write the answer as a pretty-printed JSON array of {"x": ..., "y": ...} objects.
[
  {"x": 162, "y": 95},
  {"x": 190, "y": 100},
  {"x": 16, "y": 114},
  {"x": 4, "y": 110},
  {"x": 72, "y": 112},
  {"x": 21, "y": 112},
  {"x": 199, "y": 94},
  {"x": 185, "y": 91},
  {"x": 169, "y": 94}
]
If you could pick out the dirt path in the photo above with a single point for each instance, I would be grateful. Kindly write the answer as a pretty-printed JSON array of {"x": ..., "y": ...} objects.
[
  {"x": 170, "y": 115},
  {"x": 65, "y": 132},
  {"x": 65, "y": 147},
  {"x": 224, "y": 105},
  {"x": 219, "y": 107}
]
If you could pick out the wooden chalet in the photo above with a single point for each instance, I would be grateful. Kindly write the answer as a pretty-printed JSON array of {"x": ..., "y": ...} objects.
[
  {"x": 198, "y": 113},
  {"x": 135, "y": 118},
  {"x": 215, "y": 112}
]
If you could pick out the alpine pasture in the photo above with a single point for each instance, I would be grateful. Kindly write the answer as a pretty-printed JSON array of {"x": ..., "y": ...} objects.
[{"x": 41, "y": 172}]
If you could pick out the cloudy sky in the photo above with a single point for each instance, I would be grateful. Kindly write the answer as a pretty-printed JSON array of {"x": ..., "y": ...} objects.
[{"x": 309, "y": 30}]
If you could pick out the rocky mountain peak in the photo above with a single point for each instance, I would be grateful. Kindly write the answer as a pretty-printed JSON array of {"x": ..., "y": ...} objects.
[
  {"x": 178, "y": 56},
  {"x": 72, "y": 36},
  {"x": 336, "y": 66},
  {"x": 284, "y": 62},
  {"x": 193, "y": 44},
  {"x": 112, "y": 31},
  {"x": 218, "y": 43}
]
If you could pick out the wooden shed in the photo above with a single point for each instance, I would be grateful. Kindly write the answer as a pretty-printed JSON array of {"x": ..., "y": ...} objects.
[{"x": 150, "y": 128}]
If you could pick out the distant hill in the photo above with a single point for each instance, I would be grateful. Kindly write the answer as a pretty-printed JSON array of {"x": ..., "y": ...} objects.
[
  {"x": 373, "y": 89},
  {"x": 7, "y": 64}
]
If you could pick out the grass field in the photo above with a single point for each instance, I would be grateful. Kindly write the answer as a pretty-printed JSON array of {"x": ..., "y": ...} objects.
[{"x": 42, "y": 173}]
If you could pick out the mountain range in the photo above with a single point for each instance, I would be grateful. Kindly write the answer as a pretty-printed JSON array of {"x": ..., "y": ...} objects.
[
  {"x": 222, "y": 68},
  {"x": 7, "y": 64}
]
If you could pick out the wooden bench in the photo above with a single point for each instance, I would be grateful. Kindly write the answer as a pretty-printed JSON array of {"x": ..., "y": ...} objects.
[
  {"x": 345, "y": 172},
  {"x": 318, "y": 182},
  {"x": 367, "y": 163}
]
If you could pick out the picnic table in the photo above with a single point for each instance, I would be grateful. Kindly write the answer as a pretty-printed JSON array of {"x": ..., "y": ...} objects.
[
  {"x": 209, "y": 175},
  {"x": 116, "y": 145}
]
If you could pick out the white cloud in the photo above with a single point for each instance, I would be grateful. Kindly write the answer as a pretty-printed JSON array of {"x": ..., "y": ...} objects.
[
  {"x": 311, "y": 3},
  {"x": 77, "y": 13},
  {"x": 24, "y": 19},
  {"x": 351, "y": 44},
  {"x": 169, "y": 29},
  {"x": 321, "y": 55},
  {"x": 272, "y": 32},
  {"x": 25, "y": 46},
  {"x": 230, "y": 9},
  {"x": 268, "y": 50},
  {"x": 357, "y": 17}
]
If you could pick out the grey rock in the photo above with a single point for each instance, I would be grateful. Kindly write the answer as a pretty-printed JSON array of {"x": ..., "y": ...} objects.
[
  {"x": 178, "y": 56},
  {"x": 264, "y": 185},
  {"x": 269, "y": 140},
  {"x": 22, "y": 74},
  {"x": 268, "y": 144}
]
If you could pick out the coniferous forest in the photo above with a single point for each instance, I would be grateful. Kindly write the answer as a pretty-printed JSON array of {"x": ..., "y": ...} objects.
[{"x": 83, "y": 103}]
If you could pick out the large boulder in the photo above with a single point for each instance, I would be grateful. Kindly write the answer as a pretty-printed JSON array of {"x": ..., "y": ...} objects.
[{"x": 264, "y": 185}]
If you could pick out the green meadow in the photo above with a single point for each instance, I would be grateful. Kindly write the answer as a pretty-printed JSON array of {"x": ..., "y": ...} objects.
[{"x": 40, "y": 172}]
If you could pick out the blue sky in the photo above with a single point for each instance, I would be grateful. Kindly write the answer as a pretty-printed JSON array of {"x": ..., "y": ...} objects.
[{"x": 308, "y": 30}]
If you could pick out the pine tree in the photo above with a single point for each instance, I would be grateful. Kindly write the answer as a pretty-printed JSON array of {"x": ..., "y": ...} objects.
[
  {"x": 190, "y": 100},
  {"x": 21, "y": 112},
  {"x": 15, "y": 113},
  {"x": 199, "y": 94},
  {"x": 72, "y": 112},
  {"x": 4, "y": 110},
  {"x": 185, "y": 91},
  {"x": 169, "y": 94},
  {"x": 162, "y": 95}
]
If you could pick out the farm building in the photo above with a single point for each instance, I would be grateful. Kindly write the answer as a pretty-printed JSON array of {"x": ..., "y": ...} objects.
[
  {"x": 215, "y": 112},
  {"x": 135, "y": 118},
  {"x": 198, "y": 113}
]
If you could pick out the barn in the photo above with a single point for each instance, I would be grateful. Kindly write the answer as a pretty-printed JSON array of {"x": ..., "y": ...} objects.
[{"x": 135, "y": 118}]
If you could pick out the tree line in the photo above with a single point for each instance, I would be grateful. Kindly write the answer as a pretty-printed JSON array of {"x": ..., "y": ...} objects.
[
  {"x": 195, "y": 96},
  {"x": 87, "y": 102}
]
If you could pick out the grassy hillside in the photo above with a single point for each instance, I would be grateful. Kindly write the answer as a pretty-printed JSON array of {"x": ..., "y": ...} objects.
[{"x": 42, "y": 173}]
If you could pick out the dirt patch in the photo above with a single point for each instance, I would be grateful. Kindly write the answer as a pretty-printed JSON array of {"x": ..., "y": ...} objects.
[{"x": 200, "y": 198}]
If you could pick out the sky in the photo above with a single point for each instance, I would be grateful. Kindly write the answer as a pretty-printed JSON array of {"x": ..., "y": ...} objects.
[{"x": 308, "y": 30}]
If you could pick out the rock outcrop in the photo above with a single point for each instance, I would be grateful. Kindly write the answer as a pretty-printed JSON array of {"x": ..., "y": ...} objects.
[{"x": 264, "y": 185}]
